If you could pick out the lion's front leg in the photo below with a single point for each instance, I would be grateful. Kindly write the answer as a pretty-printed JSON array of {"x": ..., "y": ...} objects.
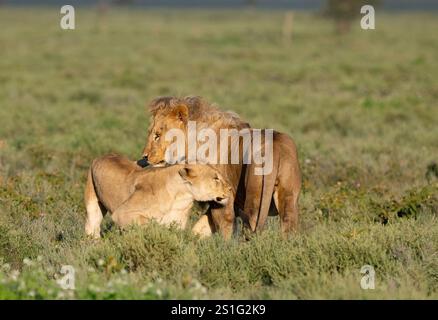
[
  {"x": 223, "y": 218},
  {"x": 204, "y": 227}
]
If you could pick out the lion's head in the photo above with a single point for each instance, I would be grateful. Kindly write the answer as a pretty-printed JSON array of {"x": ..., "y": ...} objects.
[
  {"x": 175, "y": 113},
  {"x": 167, "y": 114},
  {"x": 206, "y": 183}
]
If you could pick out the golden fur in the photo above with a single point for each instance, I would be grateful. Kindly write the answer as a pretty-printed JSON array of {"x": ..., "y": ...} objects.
[
  {"x": 282, "y": 187},
  {"x": 198, "y": 110}
]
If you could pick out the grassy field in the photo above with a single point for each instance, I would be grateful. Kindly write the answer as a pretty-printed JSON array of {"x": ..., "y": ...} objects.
[{"x": 362, "y": 108}]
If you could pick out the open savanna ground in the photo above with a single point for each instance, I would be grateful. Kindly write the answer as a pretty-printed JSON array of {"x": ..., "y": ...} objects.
[{"x": 362, "y": 108}]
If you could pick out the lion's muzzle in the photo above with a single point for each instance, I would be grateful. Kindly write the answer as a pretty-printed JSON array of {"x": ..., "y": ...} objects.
[{"x": 143, "y": 162}]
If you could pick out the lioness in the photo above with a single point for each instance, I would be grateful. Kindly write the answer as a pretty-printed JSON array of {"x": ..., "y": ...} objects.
[
  {"x": 135, "y": 195},
  {"x": 252, "y": 194}
]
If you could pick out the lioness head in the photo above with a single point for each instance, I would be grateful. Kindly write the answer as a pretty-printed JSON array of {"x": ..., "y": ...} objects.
[
  {"x": 205, "y": 183},
  {"x": 169, "y": 113}
]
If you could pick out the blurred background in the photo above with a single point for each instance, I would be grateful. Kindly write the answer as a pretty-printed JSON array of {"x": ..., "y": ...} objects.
[{"x": 295, "y": 4}]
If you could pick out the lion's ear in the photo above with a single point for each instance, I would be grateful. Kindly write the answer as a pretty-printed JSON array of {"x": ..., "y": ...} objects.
[
  {"x": 186, "y": 174},
  {"x": 181, "y": 112}
]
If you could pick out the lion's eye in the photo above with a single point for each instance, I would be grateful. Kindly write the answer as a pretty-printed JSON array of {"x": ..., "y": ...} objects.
[{"x": 156, "y": 137}]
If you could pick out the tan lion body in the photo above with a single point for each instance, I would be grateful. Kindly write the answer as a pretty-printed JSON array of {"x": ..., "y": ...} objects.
[
  {"x": 252, "y": 194},
  {"x": 135, "y": 195}
]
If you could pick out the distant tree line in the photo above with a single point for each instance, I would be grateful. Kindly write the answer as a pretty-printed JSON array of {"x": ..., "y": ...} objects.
[
  {"x": 123, "y": 1},
  {"x": 344, "y": 12}
]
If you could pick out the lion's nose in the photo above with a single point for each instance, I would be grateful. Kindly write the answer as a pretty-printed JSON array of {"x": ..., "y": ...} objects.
[{"x": 143, "y": 162}]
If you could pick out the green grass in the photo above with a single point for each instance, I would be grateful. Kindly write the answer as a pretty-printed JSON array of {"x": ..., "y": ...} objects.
[{"x": 362, "y": 108}]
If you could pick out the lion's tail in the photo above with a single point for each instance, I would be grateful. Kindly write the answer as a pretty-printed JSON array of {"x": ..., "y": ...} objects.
[
  {"x": 93, "y": 207},
  {"x": 267, "y": 190}
]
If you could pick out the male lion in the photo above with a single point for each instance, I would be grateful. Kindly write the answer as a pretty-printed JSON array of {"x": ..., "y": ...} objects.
[
  {"x": 135, "y": 195},
  {"x": 252, "y": 194}
]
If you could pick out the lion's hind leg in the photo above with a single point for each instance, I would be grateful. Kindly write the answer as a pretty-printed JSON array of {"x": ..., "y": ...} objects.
[
  {"x": 95, "y": 211},
  {"x": 287, "y": 207},
  {"x": 131, "y": 211}
]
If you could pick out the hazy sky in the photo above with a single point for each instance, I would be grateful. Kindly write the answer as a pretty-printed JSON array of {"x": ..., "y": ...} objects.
[{"x": 297, "y": 4}]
